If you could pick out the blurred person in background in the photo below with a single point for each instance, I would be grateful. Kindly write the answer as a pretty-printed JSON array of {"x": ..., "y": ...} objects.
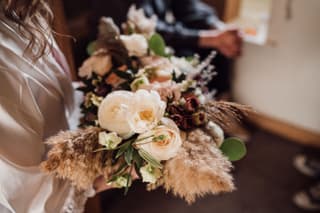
[
  {"x": 189, "y": 26},
  {"x": 35, "y": 93},
  {"x": 308, "y": 164}
]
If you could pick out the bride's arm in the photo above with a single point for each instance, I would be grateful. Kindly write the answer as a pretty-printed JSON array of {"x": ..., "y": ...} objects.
[{"x": 23, "y": 187}]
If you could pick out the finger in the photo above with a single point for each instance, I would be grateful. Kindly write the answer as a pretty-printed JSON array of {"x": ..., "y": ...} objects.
[
  {"x": 226, "y": 52},
  {"x": 231, "y": 51}
]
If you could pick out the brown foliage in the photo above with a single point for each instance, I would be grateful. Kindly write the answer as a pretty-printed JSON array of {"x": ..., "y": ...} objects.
[{"x": 226, "y": 113}]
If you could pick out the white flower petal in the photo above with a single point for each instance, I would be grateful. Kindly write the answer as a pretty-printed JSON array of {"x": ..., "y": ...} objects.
[
  {"x": 115, "y": 111},
  {"x": 162, "y": 149},
  {"x": 136, "y": 44},
  {"x": 150, "y": 174}
]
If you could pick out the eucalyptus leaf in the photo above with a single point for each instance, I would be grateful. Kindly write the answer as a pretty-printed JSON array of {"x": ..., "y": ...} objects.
[
  {"x": 147, "y": 157},
  {"x": 233, "y": 148},
  {"x": 157, "y": 45}
]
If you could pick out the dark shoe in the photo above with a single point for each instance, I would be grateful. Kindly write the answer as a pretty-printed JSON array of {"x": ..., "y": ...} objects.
[
  {"x": 308, "y": 199},
  {"x": 307, "y": 165}
]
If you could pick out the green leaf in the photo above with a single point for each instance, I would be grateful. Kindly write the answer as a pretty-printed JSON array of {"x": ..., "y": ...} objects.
[
  {"x": 147, "y": 157},
  {"x": 128, "y": 155},
  {"x": 233, "y": 148},
  {"x": 91, "y": 47},
  {"x": 138, "y": 160},
  {"x": 157, "y": 45},
  {"x": 123, "y": 74},
  {"x": 122, "y": 148},
  {"x": 129, "y": 181},
  {"x": 119, "y": 172}
]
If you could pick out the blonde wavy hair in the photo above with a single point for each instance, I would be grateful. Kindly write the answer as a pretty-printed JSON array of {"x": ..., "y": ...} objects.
[{"x": 34, "y": 18}]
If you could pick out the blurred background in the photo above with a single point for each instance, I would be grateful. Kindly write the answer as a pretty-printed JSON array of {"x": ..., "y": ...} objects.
[{"x": 278, "y": 74}]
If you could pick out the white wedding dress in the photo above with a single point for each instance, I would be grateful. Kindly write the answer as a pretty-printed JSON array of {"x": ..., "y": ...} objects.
[{"x": 33, "y": 101}]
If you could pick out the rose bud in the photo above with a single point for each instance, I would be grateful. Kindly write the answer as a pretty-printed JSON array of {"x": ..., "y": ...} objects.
[
  {"x": 199, "y": 118},
  {"x": 192, "y": 103}
]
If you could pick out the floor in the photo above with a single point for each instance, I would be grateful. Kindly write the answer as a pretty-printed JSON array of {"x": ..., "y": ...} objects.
[{"x": 265, "y": 180}]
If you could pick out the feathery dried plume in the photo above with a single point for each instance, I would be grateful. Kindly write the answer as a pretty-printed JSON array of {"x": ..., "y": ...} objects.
[
  {"x": 199, "y": 169},
  {"x": 206, "y": 63},
  {"x": 72, "y": 157},
  {"x": 225, "y": 113}
]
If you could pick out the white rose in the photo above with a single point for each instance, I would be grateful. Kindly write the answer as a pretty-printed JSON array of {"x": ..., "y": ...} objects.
[
  {"x": 148, "y": 110},
  {"x": 109, "y": 140},
  {"x": 126, "y": 112},
  {"x": 150, "y": 174},
  {"x": 136, "y": 44},
  {"x": 114, "y": 112},
  {"x": 215, "y": 132},
  {"x": 158, "y": 69},
  {"x": 144, "y": 24},
  {"x": 163, "y": 142},
  {"x": 99, "y": 64}
]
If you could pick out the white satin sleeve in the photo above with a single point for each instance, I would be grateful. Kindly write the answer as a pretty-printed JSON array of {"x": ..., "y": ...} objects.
[{"x": 23, "y": 187}]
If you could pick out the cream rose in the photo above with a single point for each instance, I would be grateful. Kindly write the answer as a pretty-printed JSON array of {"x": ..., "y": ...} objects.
[
  {"x": 99, "y": 64},
  {"x": 148, "y": 110},
  {"x": 126, "y": 112},
  {"x": 163, "y": 142},
  {"x": 158, "y": 69},
  {"x": 136, "y": 44},
  {"x": 114, "y": 112}
]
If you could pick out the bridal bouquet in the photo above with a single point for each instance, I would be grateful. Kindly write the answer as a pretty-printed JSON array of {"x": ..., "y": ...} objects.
[{"x": 149, "y": 112}]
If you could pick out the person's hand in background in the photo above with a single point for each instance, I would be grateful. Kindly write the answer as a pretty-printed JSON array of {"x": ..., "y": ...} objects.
[{"x": 228, "y": 42}]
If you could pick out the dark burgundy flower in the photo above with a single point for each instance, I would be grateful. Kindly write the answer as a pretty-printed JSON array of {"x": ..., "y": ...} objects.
[
  {"x": 175, "y": 109},
  {"x": 90, "y": 117},
  {"x": 188, "y": 123},
  {"x": 103, "y": 90},
  {"x": 178, "y": 119},
  {"x": 192, "y": 103}
]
